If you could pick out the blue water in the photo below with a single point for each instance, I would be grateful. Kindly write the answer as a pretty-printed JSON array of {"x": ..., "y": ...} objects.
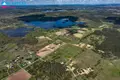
[
  {"x": 21, "y": 32},
  {"x": 63, "y": 23},
  {"x": 39, "y": 24}
]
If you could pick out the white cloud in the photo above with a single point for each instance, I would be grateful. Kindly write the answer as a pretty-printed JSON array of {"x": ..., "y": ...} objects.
[{"x": 66, "y": 1}]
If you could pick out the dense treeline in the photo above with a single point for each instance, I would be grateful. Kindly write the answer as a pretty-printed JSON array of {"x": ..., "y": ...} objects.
[
  {"x": 4, "y": 39},
  {"x": 48, "y": 71},
  {"x": 111, "y": 43}
]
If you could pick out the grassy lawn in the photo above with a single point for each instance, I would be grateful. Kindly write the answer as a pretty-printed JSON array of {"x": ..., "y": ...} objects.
[
  {"x": 108, "y": 71},
  {"x": 10, "y": 51},
  {"x": 65, "y": 53},
  {"x": 6, "y": 52},
  {"x": 87, "y": 59}
]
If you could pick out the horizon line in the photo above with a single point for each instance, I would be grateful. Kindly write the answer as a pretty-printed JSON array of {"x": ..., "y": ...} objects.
[{"x": 61, "y": 4}]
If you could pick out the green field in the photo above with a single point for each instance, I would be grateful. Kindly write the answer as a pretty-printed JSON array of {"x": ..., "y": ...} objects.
[{"x": 65, "y": 53}]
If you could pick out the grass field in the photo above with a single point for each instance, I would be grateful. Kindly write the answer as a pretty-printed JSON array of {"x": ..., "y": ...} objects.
[{"x": 65, "y": 53}]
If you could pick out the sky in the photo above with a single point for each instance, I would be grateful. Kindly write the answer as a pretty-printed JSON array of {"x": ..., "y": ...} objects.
[{"x": 43, "y": 2}]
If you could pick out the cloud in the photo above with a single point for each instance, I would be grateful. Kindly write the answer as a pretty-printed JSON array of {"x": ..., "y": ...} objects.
[
  {"x": 37, "y": 2},
  {"x": 87, "y": 1},
  {"x": 76, "y": 1}
]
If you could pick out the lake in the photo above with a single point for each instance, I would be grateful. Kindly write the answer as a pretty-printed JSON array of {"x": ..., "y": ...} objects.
[
  {"x": 18, "y": 32},
  {"x": 115, "y": 20},
  {"x": 62, "y": 23},
  {"x": 21, "y": 32}
]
